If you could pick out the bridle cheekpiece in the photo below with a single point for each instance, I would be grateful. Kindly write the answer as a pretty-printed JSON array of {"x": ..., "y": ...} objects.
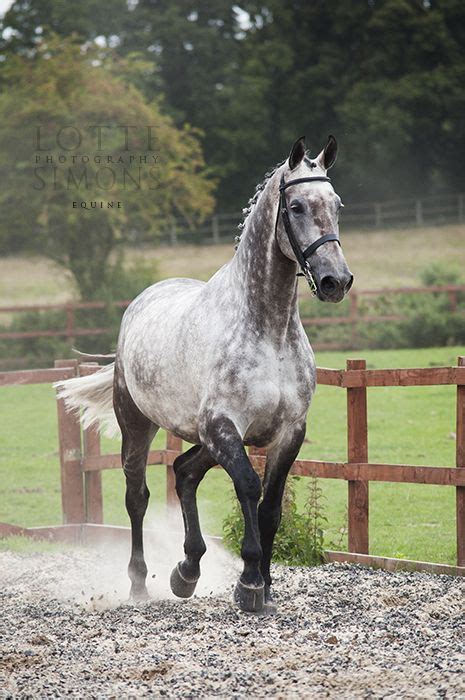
[{"x": 302, "y": 255}]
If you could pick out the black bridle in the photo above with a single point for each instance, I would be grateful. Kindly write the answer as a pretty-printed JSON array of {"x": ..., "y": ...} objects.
[{"x": 302, "y": 255}]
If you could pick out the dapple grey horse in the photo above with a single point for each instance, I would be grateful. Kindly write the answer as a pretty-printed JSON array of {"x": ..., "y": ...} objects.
[{"x": 226, "y": 363}]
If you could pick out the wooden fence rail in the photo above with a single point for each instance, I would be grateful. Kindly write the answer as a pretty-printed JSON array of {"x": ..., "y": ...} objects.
[
  {"x": 412, "y": 211},
  {"x": 70, "y": 330},
  {"x": 82, "y": 462}
]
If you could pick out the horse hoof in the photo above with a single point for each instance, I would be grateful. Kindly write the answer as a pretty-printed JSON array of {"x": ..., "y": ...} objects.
[
  {"x": 181, "y": 587},
  {"x": 249, "y": 598}
]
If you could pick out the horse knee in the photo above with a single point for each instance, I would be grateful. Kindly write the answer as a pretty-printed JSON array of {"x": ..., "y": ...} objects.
[{"x": 248, "y": 486}]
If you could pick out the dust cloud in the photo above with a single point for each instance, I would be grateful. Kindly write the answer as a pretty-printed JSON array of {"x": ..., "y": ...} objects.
[{"x": 95, "y": 575}]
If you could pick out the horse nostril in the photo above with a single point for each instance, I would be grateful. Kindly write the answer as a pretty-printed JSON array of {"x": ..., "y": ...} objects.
[
  {"x": 349, "y": 284},
  {"x": 329, "y": 285}
]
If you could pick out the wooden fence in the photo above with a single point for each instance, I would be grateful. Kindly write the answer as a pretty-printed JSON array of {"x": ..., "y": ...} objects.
[
  {"x": 411, "y": 211},
  {"x": 82, "y": 462},
  {"x": 71, "y": 331}
]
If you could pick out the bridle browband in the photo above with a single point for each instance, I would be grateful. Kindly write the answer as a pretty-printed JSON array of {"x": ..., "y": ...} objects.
[{"x": 302, "y": 255}]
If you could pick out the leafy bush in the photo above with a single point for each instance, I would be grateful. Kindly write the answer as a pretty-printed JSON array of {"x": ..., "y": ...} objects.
[
  {"x": 429, "y": 319},
  {"x": 440, "y": 273},
  {"x": 299, "y": 539}
]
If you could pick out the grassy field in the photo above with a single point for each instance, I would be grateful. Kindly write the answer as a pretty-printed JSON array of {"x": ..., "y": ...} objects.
[
  {"x": 377, "y": 259},
  {"x": 409, "y": 425}
]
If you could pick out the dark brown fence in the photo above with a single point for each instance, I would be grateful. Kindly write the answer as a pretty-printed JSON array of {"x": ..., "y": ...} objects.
[
  {"x": 82, "y": 462},
  {"x": 356, "y": 315}
]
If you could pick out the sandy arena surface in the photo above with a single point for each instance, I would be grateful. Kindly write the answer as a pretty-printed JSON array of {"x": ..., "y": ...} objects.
[{"x": 342, "y": 631}]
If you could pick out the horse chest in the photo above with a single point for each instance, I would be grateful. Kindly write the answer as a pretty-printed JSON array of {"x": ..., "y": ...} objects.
[{"x": 274, "y": 393}]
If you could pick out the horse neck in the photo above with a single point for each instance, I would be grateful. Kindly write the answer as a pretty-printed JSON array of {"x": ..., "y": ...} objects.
[{"x": 265, "y": 277}]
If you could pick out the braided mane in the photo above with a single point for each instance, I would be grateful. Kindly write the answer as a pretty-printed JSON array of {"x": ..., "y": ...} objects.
[
  {"x": 258, "y": 190},
  {"x": 254, "y": 199}
]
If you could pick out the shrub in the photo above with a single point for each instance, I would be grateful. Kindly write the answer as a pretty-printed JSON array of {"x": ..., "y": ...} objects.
[
  {"x": 299, "y": 539},
  {"x": 440, "y": 273}
]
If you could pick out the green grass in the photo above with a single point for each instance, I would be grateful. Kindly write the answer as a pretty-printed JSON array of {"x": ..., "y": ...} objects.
[
  {"x": 34, "y": 279},
  {"x": 406, "y": 425}
]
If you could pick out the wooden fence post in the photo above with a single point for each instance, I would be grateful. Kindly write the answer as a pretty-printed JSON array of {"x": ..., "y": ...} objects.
[
  {"x": 357, "y": 451},
  {"x": 452, "y": 300},
  {"x": 353, "y": 298},
  {"x": 419, "y": 212},
  {"x": 93, "y": 479},
  {"x": 460, "y": 462},
  {"x": 215, "y": 229},
  {"x": 69, "y": 438},
  {"x": 259, "y": 452},
  {"x": 69, "y": 324},
  {"x": 173, "y": 234},
  {"x": 172, "y": 443},
  {"x": 461, "y": 207}
]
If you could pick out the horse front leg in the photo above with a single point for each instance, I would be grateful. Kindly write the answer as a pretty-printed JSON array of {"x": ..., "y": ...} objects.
[
  {"x": 224, "y": 443},
  {"x": 280, "y": 458},
  {"x": 190, "y": 468}
]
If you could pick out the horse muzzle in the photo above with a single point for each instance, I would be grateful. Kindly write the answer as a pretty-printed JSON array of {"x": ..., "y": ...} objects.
[{"x": 334, "y": 289}]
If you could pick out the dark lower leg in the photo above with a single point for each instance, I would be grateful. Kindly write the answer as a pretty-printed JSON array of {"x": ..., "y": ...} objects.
[
  {"x": 137, "y": 498},
  {"x": 138, "y": 432},
  {"x": 279, "y": 462},
  {"x": 248, "y": 493},
  {"x": 190, "y": 468},
  {"x": 226, "y": 447},
  {"x": 269, "y": 517}
]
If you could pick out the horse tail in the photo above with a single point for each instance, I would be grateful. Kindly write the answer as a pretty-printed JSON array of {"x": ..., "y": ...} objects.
[{"x": 92, "y": 397}]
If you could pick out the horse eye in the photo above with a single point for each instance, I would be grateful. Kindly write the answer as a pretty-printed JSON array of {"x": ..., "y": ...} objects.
[{"x": 296, "y": 207}]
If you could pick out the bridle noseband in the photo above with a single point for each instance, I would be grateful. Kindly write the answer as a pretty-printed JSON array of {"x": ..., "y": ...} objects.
[{"x": 302, "y": 255}]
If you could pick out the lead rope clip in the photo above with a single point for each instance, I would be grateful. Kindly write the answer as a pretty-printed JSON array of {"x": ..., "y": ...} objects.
[{"x": 310, "y": 280}]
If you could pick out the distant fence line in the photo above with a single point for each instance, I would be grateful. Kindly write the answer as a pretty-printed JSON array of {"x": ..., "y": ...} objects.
[
  {"x": 71, "y": 331},
  {"x": 424, "y": 211}
]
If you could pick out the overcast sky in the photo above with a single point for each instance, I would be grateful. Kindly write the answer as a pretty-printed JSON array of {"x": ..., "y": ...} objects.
[{"x": 4, "y": 5}]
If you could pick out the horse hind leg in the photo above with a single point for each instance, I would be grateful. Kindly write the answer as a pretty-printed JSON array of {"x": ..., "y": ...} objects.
[
  {"x": 138, "y": 433},
  {"x": 190, "y": 468}
]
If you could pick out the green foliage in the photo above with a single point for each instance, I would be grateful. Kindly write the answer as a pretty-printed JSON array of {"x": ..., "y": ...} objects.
[
  {"x": 67, "y": 85},
  {"x": 440, "y": 273},
  {"x": 300, "y": 536},
  {"x": 430, "y": 321},
  {"x": 29, "y": 20},
  {"x": 251, "y": 82}
]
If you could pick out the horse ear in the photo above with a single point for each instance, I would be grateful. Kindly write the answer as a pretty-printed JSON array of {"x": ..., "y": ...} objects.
[
  {"x": 328, "y": 155},
  {"x": 297, "y": 153}
]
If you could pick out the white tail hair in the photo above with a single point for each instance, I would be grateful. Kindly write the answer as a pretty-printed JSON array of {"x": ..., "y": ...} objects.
[{"x": 92, "y": 397}]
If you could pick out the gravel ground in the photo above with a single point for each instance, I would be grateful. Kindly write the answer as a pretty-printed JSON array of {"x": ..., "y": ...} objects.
[{"x": 341, "y": 631}]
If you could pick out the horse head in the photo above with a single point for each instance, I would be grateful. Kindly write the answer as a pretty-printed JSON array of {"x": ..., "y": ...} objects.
[{"x": 307, "y": 226}]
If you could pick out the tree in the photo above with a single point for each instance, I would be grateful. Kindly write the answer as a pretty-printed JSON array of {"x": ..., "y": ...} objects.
[
  {"x": 385, "y": 76},
  {"x": 28, "y": 21},
  {"x": 54, "y": 156}
]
